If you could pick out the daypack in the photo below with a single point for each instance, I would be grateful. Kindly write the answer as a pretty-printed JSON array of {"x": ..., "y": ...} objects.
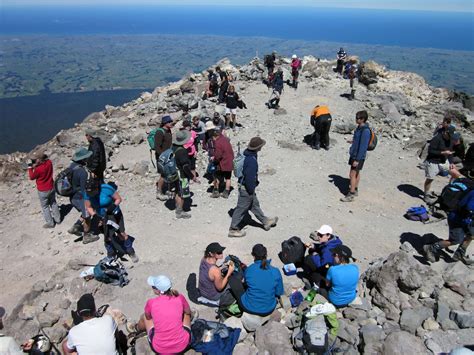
[
  {"x": 453, "y": 193},
  {"x": 315, "y": 335},
  {"x": 166, "y": 165},
  {"x": 151, "y": 137},
  {"x": 373, "y": 140},
  {"x": 63, "y": 182},
  {"x": 111, "y": 272},
  {"x": 268, "y": 60},
  {"x": 417, "y": 213},
  {"x": 239, "y": 163},
  {"x": 292, "y": 251}
]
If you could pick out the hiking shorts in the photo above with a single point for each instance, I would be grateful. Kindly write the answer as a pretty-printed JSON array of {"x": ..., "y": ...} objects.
[
  {"x": 181, "y": 187},
  {"x": 458, "y": 233},
  {"x": 434, "y": 169},
  {"x": 359, "y": 166},
  {"x": 230, "y": 111},
  {"x": 227, "y": 175}
]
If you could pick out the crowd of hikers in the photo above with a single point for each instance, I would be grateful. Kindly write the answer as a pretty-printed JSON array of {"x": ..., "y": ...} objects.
[{"x": 227, "y": 283}]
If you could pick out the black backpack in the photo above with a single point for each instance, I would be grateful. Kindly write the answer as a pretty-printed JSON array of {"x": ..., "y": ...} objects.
[
  {"x": 63, "y": 182},
  {"x": 454, "y": 192},
  {"x": 292, "y": 251},
  {"x": 268, "y": 60}
]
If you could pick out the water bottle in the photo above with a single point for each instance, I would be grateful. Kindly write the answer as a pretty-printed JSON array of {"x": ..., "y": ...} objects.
[{"x": 312, "y": 293}]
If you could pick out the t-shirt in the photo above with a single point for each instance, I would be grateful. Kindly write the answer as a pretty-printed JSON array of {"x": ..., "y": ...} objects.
[
  {"x": 167, "y": 314},
  {"x": 344, "y": 279},
  {"x": 94, "y": 336},
  {"x": 100, "y": 202}
]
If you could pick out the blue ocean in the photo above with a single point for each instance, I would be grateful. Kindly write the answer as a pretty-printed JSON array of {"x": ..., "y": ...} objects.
[{"x": 446, "y": 30}]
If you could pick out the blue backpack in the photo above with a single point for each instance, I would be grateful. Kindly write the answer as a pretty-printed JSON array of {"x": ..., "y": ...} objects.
[
  {"x": 166, "y": 165},
  {"x": 239, "y": 163},
  {"x": 417, "y": 213},
  {"x": 111, "y": 272}
]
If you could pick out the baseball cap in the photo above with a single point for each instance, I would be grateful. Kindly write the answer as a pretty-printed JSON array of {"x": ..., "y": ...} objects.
[
  {"x": 166, "y": 119},
  {"x": 344, "y": 251},
  {"x": 259, "y": 251},
  {"x": 161, "y": 282},
  {"x": 215, "y": 248},
  {"x": 86, "y": 304},
  {"x": 325, "y": 229},
  {"x": 294, "y": 56}
]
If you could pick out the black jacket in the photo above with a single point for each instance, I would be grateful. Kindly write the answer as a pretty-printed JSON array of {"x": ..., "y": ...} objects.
[
  {"x": 182, "y": 162},
  {"x": 97, "y": 162},
  {"x": 437, "y": 145}
]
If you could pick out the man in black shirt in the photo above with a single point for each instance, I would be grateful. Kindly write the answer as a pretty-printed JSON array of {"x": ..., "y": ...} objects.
[
  {"x": 97, "y": 162},
  {"x": 224, "y": 84}
]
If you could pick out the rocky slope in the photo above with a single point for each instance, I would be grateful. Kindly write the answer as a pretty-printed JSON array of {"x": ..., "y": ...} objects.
[{"x": 427, "y": 308}]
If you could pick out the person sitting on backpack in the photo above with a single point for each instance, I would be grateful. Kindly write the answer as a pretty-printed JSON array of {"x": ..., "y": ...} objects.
[
  {"x": 277, "y": 85},
  {"x": 105, "y": 203},
  {"x": 321, "y": 121},
  {"x": 163, "y": 141},
  {"x": 224, "y": 159},
  {"x": 342, "y": 278},
  {"x": 263, "y": 285},
  {"x": 213, "y": 84},
  {"x": 320, "y": 257},
  {"x": 461, "y": 230},
  {"x": 341, "y": 58},
  {"x": 40, "y": 169},
  {"x": 295, "y": 70},
  {"x": 167, "y": 319},
  {"x": 211, "y": 281},
  {"x": 79, "y": 179},
  {"x": 231, "y": 101},
  {"x": 438, "y": 161},
  {"x": 97, "y": 161},
  {"x": 191, "y": 147},
  {"x": 93, "y": 335}
]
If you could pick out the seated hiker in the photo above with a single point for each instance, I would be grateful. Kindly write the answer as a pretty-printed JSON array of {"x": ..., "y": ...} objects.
[
  {"x": 213, "y": 84},
  {"x": 211, "y": 281},
  {"x": 320, "y": 258},
  {"x": 104, "y": 201},
  {"x": 341, "y": 58},
  {"x": 263, "y": 284},
  {"x": 342, "y": 278},
  {"x": 94, "y": 335},
  {"x": 218, "y": 121},
  {"x": 167, "y": 319}
]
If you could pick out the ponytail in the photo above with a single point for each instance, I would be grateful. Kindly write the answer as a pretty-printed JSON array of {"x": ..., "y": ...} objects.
[{"x": 264, "y": 264}]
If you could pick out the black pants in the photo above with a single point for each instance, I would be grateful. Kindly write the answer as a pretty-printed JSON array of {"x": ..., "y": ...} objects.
[
  {"x": 340, "y": 65},
  {"x": 238, "y": 289},
  {"x": 321, "y": 131},
  {"x": 316, "y": 275}
]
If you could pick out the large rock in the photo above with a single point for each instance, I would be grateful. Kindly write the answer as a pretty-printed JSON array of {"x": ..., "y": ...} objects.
[
  {"x": 140, "y": 168},
  {"x": 392, "y": 116},
  {"x": 413, "y": 318},
  {"x": 187, "y": 86},
  {"x": 274, "y": 339},
  {"x": 402, "y": 343},
  {"x": 235, "y": 322},
  {"x": 463, "y": 319}
]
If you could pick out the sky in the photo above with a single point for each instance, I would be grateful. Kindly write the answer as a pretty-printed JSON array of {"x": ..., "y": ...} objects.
[{"x": 426, "y": 5}]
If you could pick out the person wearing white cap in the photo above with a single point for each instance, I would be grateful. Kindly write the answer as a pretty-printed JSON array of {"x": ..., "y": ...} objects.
[
  {"x": 295, "y": 70},
  {"x": 167, "y": 318},
  {"x": 320, "y": 258}
]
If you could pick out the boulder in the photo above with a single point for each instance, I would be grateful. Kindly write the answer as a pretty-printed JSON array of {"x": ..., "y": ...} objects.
[
  {"x": 401, "y": 343},
  {"x": 344, "y": 128},
  {"x": 392, "y": 116},
  {"x": 273, "y": 338},
  {"x": 369, "y": 72},
  {"x": 413, "y": 318},
  {"x": 348, "y": 332},
  {"x": 463, "y": 319},
  {"x": 140, "y": 168},
  {"x": 244, "y": 349},
  {"x": 251, "y": 321},
  {"x": 371, "y": 334},
  {"x": 187, "y": 87},
  {"x": 47, "y": 319},
  {"x": 235, "y": 322}
]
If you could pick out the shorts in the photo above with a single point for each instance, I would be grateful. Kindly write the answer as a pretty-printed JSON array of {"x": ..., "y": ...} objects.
[
  {"x": 192, "y": 159},
  {"x": 224, "y": 174},
  {"x": 457, "y": 234},
  {"x": 230, "y": 110},
  {"x": 434, "y": 169},
  {"x": 180, "y": 187},
  {"x": 359, "y": 166},
  {"x": 151, "y": 334}
]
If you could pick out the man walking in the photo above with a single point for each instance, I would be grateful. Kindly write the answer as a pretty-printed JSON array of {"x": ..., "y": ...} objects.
[
  {"x": 357, "y": 153},
  {"x": 163, "y": 141},
  {"x": 248, "y": 200},
  {"x": 321, "y": 121},
  {"x": 97, "y": 161}
]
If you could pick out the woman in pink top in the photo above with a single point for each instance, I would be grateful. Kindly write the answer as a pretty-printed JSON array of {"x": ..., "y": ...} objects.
[
  {"x": 167, "y": 319},
  {"x": 191, "y": 146}
]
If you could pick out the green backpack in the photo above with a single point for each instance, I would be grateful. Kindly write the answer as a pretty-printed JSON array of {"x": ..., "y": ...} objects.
[{"x": 151, "y": 137}]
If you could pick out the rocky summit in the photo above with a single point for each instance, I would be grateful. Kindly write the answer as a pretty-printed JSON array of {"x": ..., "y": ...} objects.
[{"x": 405, "y": 305}]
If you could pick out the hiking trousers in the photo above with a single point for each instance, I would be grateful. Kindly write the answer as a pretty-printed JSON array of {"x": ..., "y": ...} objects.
[
  {"x": 246, "y": 203},
  {"x": 321, "y": 131},
  {"x": 49, "y": 207}
]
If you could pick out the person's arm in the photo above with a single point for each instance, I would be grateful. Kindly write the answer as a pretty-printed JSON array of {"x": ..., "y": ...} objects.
[
  {"x": 89, "y": 208},
  {"x": 68, "y": 348},
  {"x": 363, "y": 144},
  {"x": 250, "y": 174},
  {"x": 113, "y": 206},
  {"x": 182, "y": 159},
  {"x": 279, "y": 284},
  {"x": 328, "y": 278},
  {"x": 219, "y": 281}
]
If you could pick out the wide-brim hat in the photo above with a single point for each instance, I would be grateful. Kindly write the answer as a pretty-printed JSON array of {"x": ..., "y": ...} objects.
[
  {"x": 181, "y": 137},
  {"x": 256, "y": 143},
  {"x": 81, "y": 154},
  {"x": 210, "y": 125}
]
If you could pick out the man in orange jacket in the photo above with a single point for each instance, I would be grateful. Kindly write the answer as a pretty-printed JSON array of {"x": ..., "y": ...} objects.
[{"x": 321, "y": 121}]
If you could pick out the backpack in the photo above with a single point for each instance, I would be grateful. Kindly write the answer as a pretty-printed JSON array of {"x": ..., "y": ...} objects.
[
  {"x": 296, "y": 64},
  {"x": 373, "y": 140},
  {"x": 268, "y": 60},
  {"x": 454, "y": 192},
  {"x": 315, "y": 335},
  {"x": 63, "y": 182},
  {"x": 111, "y": 272},
  {"x": 92, "y": 185},
  {"x": 417, "y": 213},
  {"x": 292, "y": 251},
  {"x": 151, "y": 137},
  {"x": 239, "y": 163},
  {"x": 166, "y": 165}
]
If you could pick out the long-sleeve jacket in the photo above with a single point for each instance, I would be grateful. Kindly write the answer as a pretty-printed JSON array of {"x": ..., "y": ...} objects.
[
  {"x": 360, "y": 143},
  {"x": 182, "y": 162},
  {"x": 97, "y": 162},
  {"x": 437, "y": 145},
  {"x": 163, "y": 141},
  {"x": 250, "y": 171},
  {"x": 224, "y": 154},
  {"x": 43, "y": 174},
  {"x": 324, "y": 256}
]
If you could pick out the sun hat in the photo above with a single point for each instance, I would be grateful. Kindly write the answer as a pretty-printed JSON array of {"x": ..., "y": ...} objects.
[
  {"x": 259, "y": 251},
  {"x": 215, "y": 248},
  {"x": 210, "y": 125},
  {"x": 81, "y": 154},
  {"x": 325, "y": 229},
  {"x": 86, "y": 304},
  {"x": 294, "y": 56},
  {"x": 161, "y": 282},
  {"x": 181, "y": 137},
  {"x": 256, "y": 143},
  {"x": 166, "y": 119}
]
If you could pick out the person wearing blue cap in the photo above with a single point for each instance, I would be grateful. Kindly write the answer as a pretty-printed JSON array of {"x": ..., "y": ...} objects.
[
  {"x": 167, "y": 318},
  {"x": 163, "y": 141}
]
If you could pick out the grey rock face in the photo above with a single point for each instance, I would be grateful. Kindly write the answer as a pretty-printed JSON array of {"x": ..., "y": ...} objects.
[
  {"x": 273, "y": 338},
  {"x": 401, "y": 343},
  {"x": 413, "y": 318},
  {"x": 463, "y": 319}
]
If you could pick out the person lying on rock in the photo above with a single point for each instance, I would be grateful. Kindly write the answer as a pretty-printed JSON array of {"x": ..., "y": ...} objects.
[
  {"x": 342, "y": 278},
  {"x": 320, "y": 256},
  {"x": 104, "y": 201},
  {"x": 167, "y": 319},
  {"x": 211, "y": 280},
  {"x": 263, "y": 285}
]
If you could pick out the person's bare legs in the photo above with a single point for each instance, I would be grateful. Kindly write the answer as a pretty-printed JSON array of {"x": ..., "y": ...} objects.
[
  {"x": 228, "y": 183},
  {"x": 427, "y": 186},
  {"x": 227, "y": 120},
  {"x": 354, "y": 178},
  {"x": 159, "y": 184},
  {"x": 234, "y": 121}
]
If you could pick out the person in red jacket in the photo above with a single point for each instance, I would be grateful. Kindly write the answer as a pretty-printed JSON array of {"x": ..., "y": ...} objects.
[
  {"x": 224, "y": 159},
  {"x": 40, "y": 169}
]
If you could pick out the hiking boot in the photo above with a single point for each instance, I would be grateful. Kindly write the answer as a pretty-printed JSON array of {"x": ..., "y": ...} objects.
[
  {"x": 133, "y": 256},
  {"x": 431, "y": 255},
  {"x": 326, "y": 147},
  {"x": 236, "y": 233},
  {"x": 180, "y": 214},
  {"x": 76, "y": 229},
  {"x": 225, "y": 194},
  {"x": 161, "y": 196},
  {"x": 48, "y": 225},
  {"x": 460, "y": 255},
  {"x": 89, "y": 238},
  {"x": 348, "y": 198},
  {"x": 429, "y": 199},
  {"x": 356, "y": 193},
  {"x": 316, "y": 147},
  {"x": 215, "y": 193},
  {"x": 270, "y": 223}
]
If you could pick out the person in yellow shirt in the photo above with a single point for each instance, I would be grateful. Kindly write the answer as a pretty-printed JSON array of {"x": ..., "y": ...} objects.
[{"x": 321, "y": 121}]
